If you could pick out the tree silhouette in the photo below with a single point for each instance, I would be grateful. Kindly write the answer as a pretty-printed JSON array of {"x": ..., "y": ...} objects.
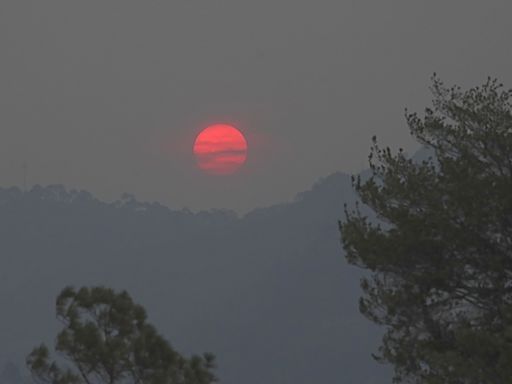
[
  {"x": 440, "y": 255},
  {"x": 107, "y": 340}
]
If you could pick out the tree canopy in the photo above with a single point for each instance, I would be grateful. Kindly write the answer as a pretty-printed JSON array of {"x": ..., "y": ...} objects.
[
  {"x": 439, "y": 253},
  {"x": 107, "y": 340}
]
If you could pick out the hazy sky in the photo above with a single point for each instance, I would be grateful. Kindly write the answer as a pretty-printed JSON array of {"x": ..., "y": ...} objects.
[{"x": 109, "y": 95}]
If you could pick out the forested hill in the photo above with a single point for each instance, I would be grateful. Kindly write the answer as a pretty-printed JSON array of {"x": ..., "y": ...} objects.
[{"x": 269, "y": 293}]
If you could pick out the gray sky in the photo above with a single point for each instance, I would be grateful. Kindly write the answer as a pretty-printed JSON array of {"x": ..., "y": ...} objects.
[{"x": 109, "y": 95}]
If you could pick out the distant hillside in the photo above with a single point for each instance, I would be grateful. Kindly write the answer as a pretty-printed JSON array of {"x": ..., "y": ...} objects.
[
  {"x": 269, "y": 293},
  {"x": 10, "y": 374}
]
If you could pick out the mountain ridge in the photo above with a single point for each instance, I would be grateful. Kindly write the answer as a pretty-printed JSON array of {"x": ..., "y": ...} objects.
[{"x": 269, "y": 292}]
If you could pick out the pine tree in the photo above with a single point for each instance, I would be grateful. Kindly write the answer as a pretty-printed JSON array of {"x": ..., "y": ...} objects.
[{"x": 439, "y": 256}]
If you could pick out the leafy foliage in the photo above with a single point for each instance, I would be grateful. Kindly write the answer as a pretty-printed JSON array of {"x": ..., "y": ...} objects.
[
  {"x": 107, "y": 339},
  {"x": 440, "y": 255}
]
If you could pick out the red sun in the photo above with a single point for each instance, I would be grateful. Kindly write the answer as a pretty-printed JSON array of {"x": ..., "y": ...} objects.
[{"x": 220, "y": 149}]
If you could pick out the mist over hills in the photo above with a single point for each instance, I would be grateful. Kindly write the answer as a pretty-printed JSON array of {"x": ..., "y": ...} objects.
[
  {"x": 269, "y": 292},
  {"x": 10, "y": 374}
]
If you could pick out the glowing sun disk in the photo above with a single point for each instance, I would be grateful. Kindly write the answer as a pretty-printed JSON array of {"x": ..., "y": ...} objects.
[{"x": 220, "y": 149}]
